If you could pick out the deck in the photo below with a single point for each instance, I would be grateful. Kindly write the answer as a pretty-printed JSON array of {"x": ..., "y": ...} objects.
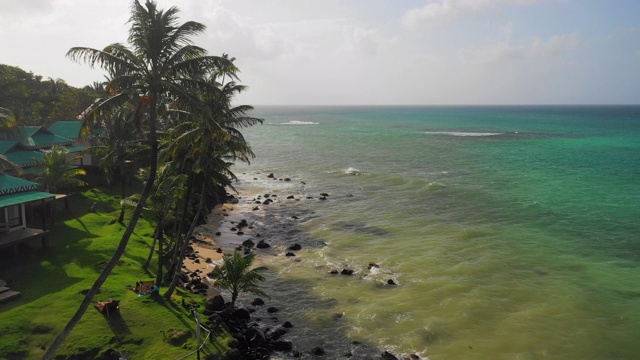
[{"x": 14, "y": 238}]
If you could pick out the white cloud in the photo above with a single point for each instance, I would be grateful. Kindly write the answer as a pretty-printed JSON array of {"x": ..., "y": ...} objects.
[{"x": 444, "y": 11}]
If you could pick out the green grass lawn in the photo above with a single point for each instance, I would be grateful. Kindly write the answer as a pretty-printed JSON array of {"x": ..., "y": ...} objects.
[{"x": 52, "y": 283}]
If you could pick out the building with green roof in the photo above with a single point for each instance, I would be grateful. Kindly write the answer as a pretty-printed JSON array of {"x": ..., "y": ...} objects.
[{"x": 18, "y": 198}]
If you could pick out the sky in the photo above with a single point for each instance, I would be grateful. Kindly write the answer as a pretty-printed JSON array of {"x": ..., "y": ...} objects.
[{"x": 367, "y": 52}]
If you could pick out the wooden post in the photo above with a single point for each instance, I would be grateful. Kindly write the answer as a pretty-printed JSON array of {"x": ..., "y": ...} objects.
[{"x": 45, "y": 242}]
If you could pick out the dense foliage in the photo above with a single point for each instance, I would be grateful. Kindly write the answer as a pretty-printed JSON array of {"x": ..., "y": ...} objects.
[
  {"x": 34, "y": 100},
  {"x": 174, "y": 103}
]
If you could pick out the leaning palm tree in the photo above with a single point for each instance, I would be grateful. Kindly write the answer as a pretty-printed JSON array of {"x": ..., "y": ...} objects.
[
  {"x": 236, "y": 275},
  {"x": 159, "y": 62}
]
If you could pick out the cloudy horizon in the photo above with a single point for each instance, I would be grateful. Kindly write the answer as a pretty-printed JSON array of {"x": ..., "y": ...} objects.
[{"x": 368, "y": 52}]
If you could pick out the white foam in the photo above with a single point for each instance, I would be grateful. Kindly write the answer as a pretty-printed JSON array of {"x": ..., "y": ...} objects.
[
  {"x": 461, "y": 133},
  {"x": 295, "y": 122},
  {"x": 352, "y": 171}
]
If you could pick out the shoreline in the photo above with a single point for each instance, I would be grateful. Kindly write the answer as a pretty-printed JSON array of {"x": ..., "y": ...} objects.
[{"x": 220, "y": 235}]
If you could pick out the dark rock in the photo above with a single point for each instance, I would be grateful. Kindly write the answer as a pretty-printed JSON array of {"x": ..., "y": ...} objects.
[
  {"x": 272, "y": 310},
  {"x": 218, "y": 233},
  {"x": 295, "y": 217},
  {"x": 219, "y": 250},
  {"x": 295, "y": 247},
  {"x": 256, "y": 208},
  {"x": 333, "y": 272},
  {"x": 241, "y": 313},
  {"x": 240, "y": 233},
  {"x": 318, "y": 351},
  {"x": 287, "y": 325},
  {"x": 291, "y": 197},
  {"x": 282, "y": 345},
  {"x": 346, "y": 272},
  {"x": 243, "y": 223},
  {"x": 179, "y": 337},
  {"x": 373, "y": 265},
  {"x": 391, "y": 282},
  {"x": 248, "y": 243},
  {"x": 254, "y": 337},
  {"x": 271, "y": 176},
  {"x": 263, "y": 245},
  {"x": 324, "y": 194},
  {"x": 234, "y": 354},
  {"x": 348, "y": 354},
  {"x": 296, "y": 354},
  {"x": 290, "y": 254},
  {"x": 322, "y": 198},
  {"x": 287, "y": 179},
  {"x": 388, "y": 356},
  {"x": 233, "y": 343},
  {"x": 257, "y": 302},
  {"x": 208, "y": 260},
  {"x": 277, "y": 333}
]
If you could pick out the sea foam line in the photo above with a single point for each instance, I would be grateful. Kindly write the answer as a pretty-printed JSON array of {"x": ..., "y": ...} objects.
[{"x": 461, "y": 133}]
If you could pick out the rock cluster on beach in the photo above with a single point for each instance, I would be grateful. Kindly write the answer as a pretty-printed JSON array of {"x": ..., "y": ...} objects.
[{"x": 258, "y": 336}]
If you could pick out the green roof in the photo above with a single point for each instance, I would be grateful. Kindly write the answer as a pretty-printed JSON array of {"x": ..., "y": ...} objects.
[
  {"x": 25, "y": 158},
  {"x": 37, "y": 137},
  {"x": 68, "y": 129},
  {"x": 7, "y": 145},
  {"x": 23, "y": 197},
  {"x": 42, "y": 140},
  {"x": 27, "y": 131},
  {"x": 10, "y": 185}
]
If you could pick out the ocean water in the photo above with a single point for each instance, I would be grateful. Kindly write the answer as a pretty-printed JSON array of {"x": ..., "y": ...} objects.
[{"x": 510, "y": 232}]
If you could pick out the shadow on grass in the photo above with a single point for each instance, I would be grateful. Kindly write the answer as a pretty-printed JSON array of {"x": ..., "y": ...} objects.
[{"x": 117, "y": 323}]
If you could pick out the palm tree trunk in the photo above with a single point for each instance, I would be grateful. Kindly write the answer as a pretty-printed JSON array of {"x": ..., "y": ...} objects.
[
  {"x": 160, "y": 261},
  {"x": 88, "y": 299},
  {"x": 185, "y": 210},
  {"x": 185, "y": 244},
  {"x": 156, "y": 235}
]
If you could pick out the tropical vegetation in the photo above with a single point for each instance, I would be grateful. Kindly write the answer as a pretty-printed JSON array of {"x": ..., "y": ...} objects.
[
  {"x": 237, "y": 275},
  {"x": 167, "y": 111},
  {"x": 28, "y": 99}
]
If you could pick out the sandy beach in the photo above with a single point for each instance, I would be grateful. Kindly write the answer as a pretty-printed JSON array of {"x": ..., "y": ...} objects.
[{"x": 218, "y": 235}]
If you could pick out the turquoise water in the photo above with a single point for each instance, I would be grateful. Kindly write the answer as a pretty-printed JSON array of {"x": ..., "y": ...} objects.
[{"x": 512, "y": 232}]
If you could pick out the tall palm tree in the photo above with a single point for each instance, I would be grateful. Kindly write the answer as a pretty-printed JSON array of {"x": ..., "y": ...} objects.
[
  {"x": 236, "y": 275},
  {"x": 159, "y": 62},
  {"x": 205, "y": 144}
]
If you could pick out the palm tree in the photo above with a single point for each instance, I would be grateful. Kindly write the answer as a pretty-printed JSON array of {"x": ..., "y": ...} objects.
[
  {"x": 160, "y": 61},
  {"x": 57, "y": 174},
  {"x": 205, "y": 144},
  {"x": 236, "y": 276},
  {"x": 117, "y": 142},
  {"x": 166, "y": 194}
]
